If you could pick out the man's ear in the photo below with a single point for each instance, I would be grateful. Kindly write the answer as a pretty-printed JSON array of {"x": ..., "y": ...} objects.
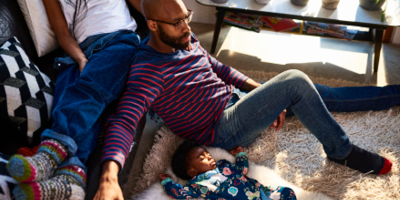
[
  {"x": 152, "y": 25},
  {"x": 192, "y": 172}
]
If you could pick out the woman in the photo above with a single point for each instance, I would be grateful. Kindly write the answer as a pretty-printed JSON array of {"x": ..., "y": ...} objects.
[{"x": 99, "y": 38}]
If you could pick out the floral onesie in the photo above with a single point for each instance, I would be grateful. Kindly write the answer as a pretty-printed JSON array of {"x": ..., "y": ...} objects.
[{"x": 227, "y": 181}]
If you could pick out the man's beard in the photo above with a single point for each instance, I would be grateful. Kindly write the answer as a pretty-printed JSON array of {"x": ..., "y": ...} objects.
[{"x": 174, "y": 42}]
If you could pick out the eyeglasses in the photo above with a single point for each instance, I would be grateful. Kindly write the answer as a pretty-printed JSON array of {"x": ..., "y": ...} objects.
[{"x": 179, "y": 25}]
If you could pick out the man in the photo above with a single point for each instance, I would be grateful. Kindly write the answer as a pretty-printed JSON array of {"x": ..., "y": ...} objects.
[{"x": 198, "y": 97}]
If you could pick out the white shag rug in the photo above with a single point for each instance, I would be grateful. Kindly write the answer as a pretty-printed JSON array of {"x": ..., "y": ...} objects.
[{"x": 293, "y": 157}]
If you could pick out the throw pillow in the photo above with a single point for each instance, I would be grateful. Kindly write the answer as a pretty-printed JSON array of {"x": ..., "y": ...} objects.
[
  {"x": 26, "y": 94},
  {"x": 39, "y": 26},
  {"x": 7, "y": 183}
]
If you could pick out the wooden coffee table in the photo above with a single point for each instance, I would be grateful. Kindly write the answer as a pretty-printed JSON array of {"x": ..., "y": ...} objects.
[{"x": 348, "y": 13}]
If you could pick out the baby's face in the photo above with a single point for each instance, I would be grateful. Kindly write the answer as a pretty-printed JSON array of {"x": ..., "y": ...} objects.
[{"x": 200, "y": 161}]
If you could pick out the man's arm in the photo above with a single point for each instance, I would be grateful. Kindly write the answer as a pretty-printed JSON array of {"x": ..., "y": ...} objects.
[
  {"x": 136, "y": 4},
  {"x": 145, "y": 83},
  {"x": 230, "y": 75},
  {"x": 226, "y": 73}
]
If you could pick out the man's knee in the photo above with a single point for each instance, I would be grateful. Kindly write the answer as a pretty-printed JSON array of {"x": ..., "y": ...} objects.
[
  {"x": 296, "y": 74},
  {"x": 297, "y": 78}
]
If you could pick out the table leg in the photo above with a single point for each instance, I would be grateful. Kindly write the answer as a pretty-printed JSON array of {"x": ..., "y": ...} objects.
[
  {"x": 371, "y": 34},
  {"x": 217, "y": 29},
  {"x": 378, "y": 46}
]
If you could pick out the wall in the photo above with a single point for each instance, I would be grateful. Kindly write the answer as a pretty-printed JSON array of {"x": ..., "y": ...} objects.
[{"x": 202, "y": 14}]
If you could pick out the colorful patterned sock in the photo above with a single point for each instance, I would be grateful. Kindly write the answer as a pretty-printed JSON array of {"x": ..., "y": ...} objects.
[
  {"x": 67, "y": 183},
  {"x": 40, "y": 166},
  {"x": 365, "y": 161},
  {"x": 73, "y": 171}
]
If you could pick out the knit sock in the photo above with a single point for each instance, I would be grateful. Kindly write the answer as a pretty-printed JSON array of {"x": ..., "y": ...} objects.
[
  {"x": 40, "y": 166},
  {"x": 73, "y": 171},
  {"x": 365, "y": 161},
  {"x": 67, "y": 184}
]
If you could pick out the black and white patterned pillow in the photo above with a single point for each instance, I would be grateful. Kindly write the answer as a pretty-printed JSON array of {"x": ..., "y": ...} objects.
[
  {"x": 7, "y": 183},
  {"x": 26, "y": 94}
]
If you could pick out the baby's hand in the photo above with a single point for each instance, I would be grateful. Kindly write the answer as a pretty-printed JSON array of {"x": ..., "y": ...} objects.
[
  {"x": 163, "y": 176},
  {"x": 236, "y": 150}
]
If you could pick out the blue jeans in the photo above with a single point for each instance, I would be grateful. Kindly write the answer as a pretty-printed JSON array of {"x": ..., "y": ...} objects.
[
  {"x": 247, "y": 115},
  {"x": 80, "y": 99}
]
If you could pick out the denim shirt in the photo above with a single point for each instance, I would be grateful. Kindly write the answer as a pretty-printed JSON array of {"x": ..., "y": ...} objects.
[{"x": 89, "y": 46}]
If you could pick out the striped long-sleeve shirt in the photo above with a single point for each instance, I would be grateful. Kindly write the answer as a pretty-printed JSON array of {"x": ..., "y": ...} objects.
[{"x": 187, "y": 89}]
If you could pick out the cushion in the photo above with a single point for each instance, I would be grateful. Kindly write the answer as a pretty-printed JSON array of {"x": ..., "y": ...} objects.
[
  {"x": 7, "y": 183},
  {"x": 39, "y": 26},
  {"x": 26, "y": 94}
]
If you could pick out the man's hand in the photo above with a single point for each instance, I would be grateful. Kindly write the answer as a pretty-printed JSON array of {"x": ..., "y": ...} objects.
[
  {"x": 109, "y": 188},
  {"x": 163, "y": 176},
  {"x": 236, "y": 150},
  {"x": 278, "y": 123}
]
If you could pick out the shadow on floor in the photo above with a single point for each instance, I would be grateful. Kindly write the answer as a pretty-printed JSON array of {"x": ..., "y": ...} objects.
[{"x": 317, "y": 69}]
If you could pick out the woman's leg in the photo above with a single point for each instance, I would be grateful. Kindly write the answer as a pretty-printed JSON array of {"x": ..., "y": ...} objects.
[
  {"x": 80, "y": 104},
  {"x": 364, "y": 98},
  {"x": 349, "y": 99},
  {"x": 243, "y": 122}
]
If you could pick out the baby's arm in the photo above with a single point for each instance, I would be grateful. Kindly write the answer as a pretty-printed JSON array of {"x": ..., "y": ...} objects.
[
  {"x": 242, "y": 162},
  {"x": 175, "y": 190}
]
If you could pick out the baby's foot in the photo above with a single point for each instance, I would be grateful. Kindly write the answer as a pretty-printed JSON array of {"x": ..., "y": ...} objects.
[
  {"x": 66, "y": 184},
  {"x": 40, "y": 166},
  {"x": 365, "y": 161}
]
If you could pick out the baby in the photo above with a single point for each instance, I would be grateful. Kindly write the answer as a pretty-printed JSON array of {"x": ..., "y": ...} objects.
[{"x": 216, "y": 180}]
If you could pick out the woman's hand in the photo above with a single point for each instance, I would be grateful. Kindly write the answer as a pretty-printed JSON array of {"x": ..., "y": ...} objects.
[
  {"x": 61, "y": 30},
  {"x": 82, "y": 64},
  {"x": 109, "y": 188},
  {"x": 278, "y": 123},
  {"x": 236, "y": 150},
  {"x": 163, "y": 176}
]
